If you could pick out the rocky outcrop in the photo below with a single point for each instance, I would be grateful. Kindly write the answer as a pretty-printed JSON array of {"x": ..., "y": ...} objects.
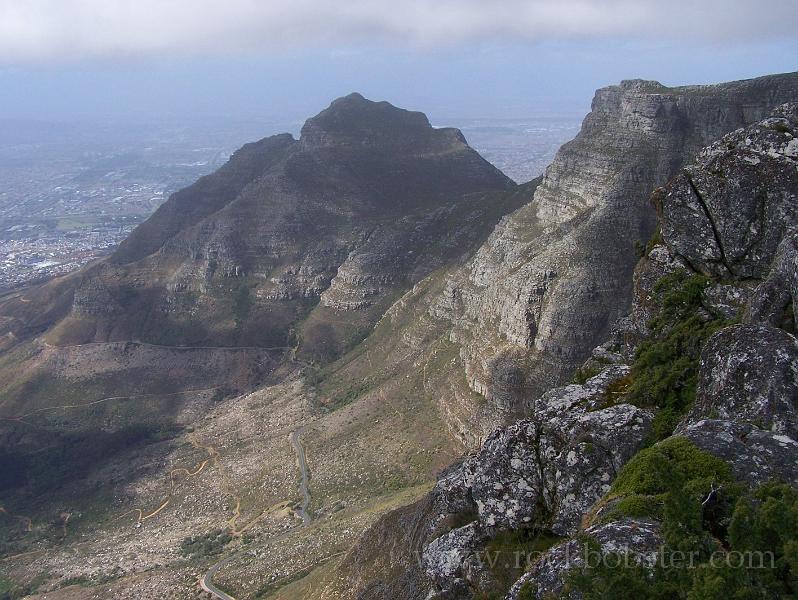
[
  {"x": 727, "y": 213},
  {"x": 746, "y": 401},
  {"x": 546, "y": 287},
  {"x": 451, "y": 560},
  {"x": 749, "y": 373},
  {"x": 756, "y": 455},
  {"x": 773, "y": 301},
  {"x": 542, "y": 473},
  {"x": 639, "y": 541},
  {"x": 551, "y": 471}
]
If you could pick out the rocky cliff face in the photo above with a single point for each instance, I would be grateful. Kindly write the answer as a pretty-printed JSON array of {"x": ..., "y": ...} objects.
[
  {"x": 552, "y": 278},
  {"x": 729, "y": 227}
]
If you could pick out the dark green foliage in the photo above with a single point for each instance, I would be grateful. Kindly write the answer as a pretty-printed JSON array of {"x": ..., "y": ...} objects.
[
  {"x": 669, "y": 482},
  {"x": 9, "y": 589},
  {"x": 665, "y": 369},
  {"x": 655, "y": 470},
  {"x": 583, "y": 374},
  {"x": 12, "y": 590},
  {"x": 603, "y": 581},
  {"x": 510, "y": 553},
  {"x": 210, "y": 544},
  {"x": 80, "y": 580},
  {"x": 728, "y": 544},
  {"x": 763, "y": 522},
  {"x": 781, "y": 128},
  {"x": 528, "y": 591}
]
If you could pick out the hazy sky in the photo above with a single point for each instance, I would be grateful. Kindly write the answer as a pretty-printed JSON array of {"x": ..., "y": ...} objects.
[{"x": 66, "y": 59}]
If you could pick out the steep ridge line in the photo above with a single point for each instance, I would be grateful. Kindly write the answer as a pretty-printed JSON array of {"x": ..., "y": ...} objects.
[{"x": 163, "y": 346}]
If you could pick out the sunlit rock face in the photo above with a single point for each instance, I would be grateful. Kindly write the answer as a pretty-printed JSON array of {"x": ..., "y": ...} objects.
[{"x": 545, "y": 288}]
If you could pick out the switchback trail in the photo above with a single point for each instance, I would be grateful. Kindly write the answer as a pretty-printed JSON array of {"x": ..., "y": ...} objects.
[
  {"x": 304, "y": 475},
  {"x": 206, "y": 583}
]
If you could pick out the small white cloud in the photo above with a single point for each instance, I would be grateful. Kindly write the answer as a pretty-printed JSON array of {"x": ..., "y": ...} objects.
[{"x": 68, "y": 29}]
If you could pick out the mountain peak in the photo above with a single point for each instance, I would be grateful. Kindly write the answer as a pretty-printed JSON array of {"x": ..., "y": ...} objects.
[{"x": 354, "y": 120}]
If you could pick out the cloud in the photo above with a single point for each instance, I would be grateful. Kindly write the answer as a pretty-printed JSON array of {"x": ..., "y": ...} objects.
[{"x": 42, "y": 30}]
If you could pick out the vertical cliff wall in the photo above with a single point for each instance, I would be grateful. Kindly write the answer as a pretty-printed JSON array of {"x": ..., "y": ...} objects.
[{"x": 554, "y": 276}]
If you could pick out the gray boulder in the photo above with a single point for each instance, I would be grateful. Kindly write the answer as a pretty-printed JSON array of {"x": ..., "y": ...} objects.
[
  {"x": 756, "y": 456},
  {"x": 549, "y": 470},
  {"x": 451, "y": 560},
  {"x": 773, "y": 301},
  {"x": 749, "y": 373},
  {"x": 727, "y": 213},
  {"x": 637, "y": 539}
]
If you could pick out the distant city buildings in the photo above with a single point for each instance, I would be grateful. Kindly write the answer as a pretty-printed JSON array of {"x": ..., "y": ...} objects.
[{"x": 26, "y": 260}]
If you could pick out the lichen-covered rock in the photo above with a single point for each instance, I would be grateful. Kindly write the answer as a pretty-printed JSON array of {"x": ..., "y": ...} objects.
[
  {"x": 749, "y": 373},
  {"x": 727, "y": 300},
  {"x": 550, "y": 469},
  {"x": 446, "y": 560},
  {"x": 601, "y": 443},
  {"x": 638, "y": 540},
  {"x": 727, "y": 213},
  {"x": 756, "y": 456},
  {"x": 545, "y": 472},
  {"x": 773, "y": 302},
  {"x": 452, "y": 492},
  {"x": 593, "y": 394}
]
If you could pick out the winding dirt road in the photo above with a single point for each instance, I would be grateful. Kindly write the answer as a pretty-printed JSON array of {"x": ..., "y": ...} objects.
[
  {"x": 206, "y": 583},
  {"x": 304, "y": 480}
]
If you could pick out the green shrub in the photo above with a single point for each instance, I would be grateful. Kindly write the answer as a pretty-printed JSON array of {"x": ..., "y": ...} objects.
[
  {"x": 509, "y": 553},
  {"x": 704, "y": 514},
  {"x": 602, "y": 581},
  {"x": 528, "y": 591},
  {"x": 210, "y": 544},
  {"x": 665, "y": 368},
  {"x": 669, "y": 482},
  {"x": 675, "y": 461},
  {"x": 583, "y": 374}
]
